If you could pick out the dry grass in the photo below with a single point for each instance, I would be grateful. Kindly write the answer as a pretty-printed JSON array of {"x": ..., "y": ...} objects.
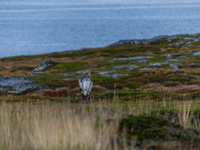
[
  {"x": 71, "y": 126},
  {"x": 63, "y": 126}
]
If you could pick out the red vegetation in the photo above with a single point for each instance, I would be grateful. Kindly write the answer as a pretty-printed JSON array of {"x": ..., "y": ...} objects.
[
  {"x": 176, "y": 89},
  {"x": 56, "y": 92}
]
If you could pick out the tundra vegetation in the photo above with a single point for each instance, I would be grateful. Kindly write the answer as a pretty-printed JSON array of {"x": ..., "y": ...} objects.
[{"x": 145, "y": 96}]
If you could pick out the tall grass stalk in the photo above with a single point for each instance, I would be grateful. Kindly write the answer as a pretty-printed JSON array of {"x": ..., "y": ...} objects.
[{"x": 184, "y": 115}]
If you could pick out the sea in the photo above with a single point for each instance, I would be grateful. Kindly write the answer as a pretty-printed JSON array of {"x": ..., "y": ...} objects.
[{"x": 30, "y": 27}]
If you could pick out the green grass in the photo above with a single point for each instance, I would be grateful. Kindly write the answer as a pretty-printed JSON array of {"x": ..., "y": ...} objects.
[
  {"x": 70, "y": 66},
  {"x": 50, "y": 80}
]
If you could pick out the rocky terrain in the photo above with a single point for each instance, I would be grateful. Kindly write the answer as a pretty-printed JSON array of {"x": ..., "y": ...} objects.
[{"x": 121, "y": 63}]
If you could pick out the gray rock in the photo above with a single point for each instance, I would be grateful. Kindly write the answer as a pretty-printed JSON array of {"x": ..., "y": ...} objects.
[
  {"x": 22, "y": 88},
  {"x": 176, "y": 44},
  {"x": 197, "y": 39},
  {"x": 182, "y": 57},
  {"x": 82, "y": 72},
  {"x": 196, "y": 53},
  {"x": 192, "y": 65},
  {"x": 145, "y": 69},
  {"x": 130, "y": 67},
  {"x": 189, "y": 38},
  {"x": 139, "y": 41},
  {"x": 141, "y": 61},
  {"x": 18, "y": 84},
  {"x": 156, "y": 64},
  {"x": 67, "y": 79},
  {"x": 115, "y": 76},
  {"x": 35, "y": 73},
  {"x": 172, "y": 60},
  {"x": 161, "y": 36},
  {"x": 169, "y": 55},
  {"x": 131, "y": 58},
  {"x": 171, "y": 38},
  {"x": 175, "y": 66},
  {"x": 189, "y": 45},
  {"x": 46, "y": 63},
  {"x": 65, "y": 74},
  {"x": 105, "y": 73}
]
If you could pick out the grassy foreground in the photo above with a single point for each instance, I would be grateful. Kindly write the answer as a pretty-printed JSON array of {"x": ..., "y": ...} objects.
[
  {"x": 157, "y": 108},
  {"x": 99, "y": 125}
]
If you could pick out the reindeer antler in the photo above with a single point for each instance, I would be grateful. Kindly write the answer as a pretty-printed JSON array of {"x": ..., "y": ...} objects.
[
  {"x": 89, "y": 74},
  {"x": 82, "y": 77}
]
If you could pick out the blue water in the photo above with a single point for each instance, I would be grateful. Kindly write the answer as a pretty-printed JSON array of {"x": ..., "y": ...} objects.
[{"x": 45, "y": 26}]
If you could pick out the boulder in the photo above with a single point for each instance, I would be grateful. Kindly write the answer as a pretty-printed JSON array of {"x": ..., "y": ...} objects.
[
  {"x": 192, "y": 65},
  {"x": 130, "y": 67},
  {"x": 115, "y": 76},
  {"x": 171, "y": 38},
  {"x": 156, "y": 64},
  {"x": 175, "y": 66},
  {"x": 176, "y": 44},
  {"x": 141, "y": 61},
  {"x": 140, "y": 41},
  {"x": 189, "y": 38},
  {"x": 171, "y": 55},
  {"x": 171, "y": 60},
  {"x": 46, "y": 63},
  {"x": 145, "y": 69},
  {"x": 130, "y": 58},
  {"x": 18, "y": 84},
  {"x": 35, "y": 73},
  {"x": 198, "y": 39},
  {"x": 196, "y": 53}
]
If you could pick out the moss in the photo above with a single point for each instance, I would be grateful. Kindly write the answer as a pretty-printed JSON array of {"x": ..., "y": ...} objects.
[
  {"x": 197, "y": 43},
  {"x": 152, "y": 128},
  {"x": 50, "y": 80},
  {"x": 156, "y": 58},
  {"x": 165, "y": 134},
  {"x": 69, "y": 66},
  {"x": 134, "y": 125},
  {"x": 105, "y": 64},
  {"x": 107, "y": 82},
  {"x": 25, "y": 68}
]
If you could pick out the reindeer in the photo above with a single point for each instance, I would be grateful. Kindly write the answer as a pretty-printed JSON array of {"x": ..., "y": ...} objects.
[{"x": 85, "y": 85}]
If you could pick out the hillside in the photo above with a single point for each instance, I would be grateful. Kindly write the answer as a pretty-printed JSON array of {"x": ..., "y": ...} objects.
[{"x": 145, "y": 95}]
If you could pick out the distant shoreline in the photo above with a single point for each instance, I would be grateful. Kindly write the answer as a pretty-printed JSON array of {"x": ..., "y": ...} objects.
[{"x": 121, "y": 42}]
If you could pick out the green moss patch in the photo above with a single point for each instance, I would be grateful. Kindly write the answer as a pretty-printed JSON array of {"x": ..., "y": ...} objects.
[
  {"x": 50, "y": 80},
  {"x": 70, "y": 66},
  {"x": 152, "y": 128}
]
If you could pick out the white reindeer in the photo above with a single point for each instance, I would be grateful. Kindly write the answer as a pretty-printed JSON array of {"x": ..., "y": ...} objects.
[{"x": 85, "y": 85}]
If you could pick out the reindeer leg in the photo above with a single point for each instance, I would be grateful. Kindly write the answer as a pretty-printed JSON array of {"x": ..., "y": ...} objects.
[
  {"x": 88, "y": 99},
  {"x": 82, "y": 97}
]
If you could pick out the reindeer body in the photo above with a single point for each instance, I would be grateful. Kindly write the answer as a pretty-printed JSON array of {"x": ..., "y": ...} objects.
[{"x": 85, "y": 85}]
